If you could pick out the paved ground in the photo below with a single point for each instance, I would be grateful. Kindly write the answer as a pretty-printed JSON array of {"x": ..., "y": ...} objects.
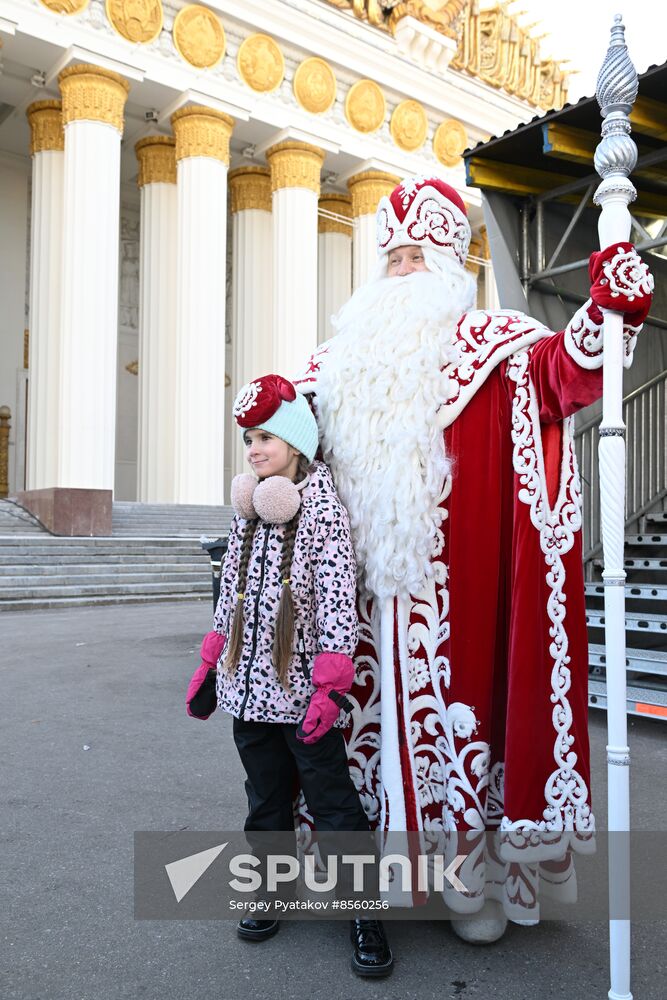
[{"x": 113, "y": 679}]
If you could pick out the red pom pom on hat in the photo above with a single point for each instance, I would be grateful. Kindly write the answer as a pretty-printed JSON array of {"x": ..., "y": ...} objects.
[{"x": 259, "y": 400}]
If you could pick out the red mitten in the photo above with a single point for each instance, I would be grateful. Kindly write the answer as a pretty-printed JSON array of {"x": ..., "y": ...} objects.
[
  {"x": 201, "y": 701},
  {"x": 620, "y": 280},
  {"x": 333, "y": 674}
]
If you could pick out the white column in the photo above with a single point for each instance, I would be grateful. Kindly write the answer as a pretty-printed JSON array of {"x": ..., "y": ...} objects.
[
  {"x": 295, "y": 182},
  {"x": 334, "y": 259},
  {"x": 366, "y": 189},
  {"x": 157, "y": 319},
  {"x": 252, "y": 301},
  {"x": 47, "y": 145},
  {"x": 202, "y": 156},
  {"x": 93, "y": 102}
]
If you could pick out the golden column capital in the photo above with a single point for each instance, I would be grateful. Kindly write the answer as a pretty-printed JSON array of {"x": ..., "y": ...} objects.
[
  {"x": 157, "y": 160},
  {"x": 295, "y": 165},
  {"x": 338, "y": 204},
  {"x": 201, "y": 131},
  {"x": 91, "y": 93},
  {"x": 367, "y": 188},
  {"x": 46, "y": 126},
  {"x": 250, "y": 187}
]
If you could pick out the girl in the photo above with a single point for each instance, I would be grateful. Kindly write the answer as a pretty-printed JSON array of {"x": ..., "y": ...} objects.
[{"x": 287, "y": 604}]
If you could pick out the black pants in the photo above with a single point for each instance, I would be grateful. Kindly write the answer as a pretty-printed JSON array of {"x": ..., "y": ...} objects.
[
  {"x": 275, "y": 762},
  {"x": 273, "y": 759}
]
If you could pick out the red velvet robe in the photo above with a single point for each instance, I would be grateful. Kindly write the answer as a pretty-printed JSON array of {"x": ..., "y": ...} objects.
[{"x": 482, "y": 723}]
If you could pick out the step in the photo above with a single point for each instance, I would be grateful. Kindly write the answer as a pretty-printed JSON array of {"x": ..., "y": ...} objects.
[
  {"x": 658, "y": 517},
  {"x": 639, "y": 700},
  {"x": 101, "y": 548},
  {"x": 640, "y": 592},
  {"x": 166, "y": 534},
  {"x": 640, "y": 565},
  {"x": 137, "y": 505},
  {"x": 646, "y": 539},
  {"x": 98, "y": 579},
  {"x": 100, "y": 590},
  {"x": 115, "y": 559},
  {"x": 76, "y": 569},
  {"x": 645, "y": 661},
  {"x": 28, "y": 604},
  {"x": 635, "y": 621}
]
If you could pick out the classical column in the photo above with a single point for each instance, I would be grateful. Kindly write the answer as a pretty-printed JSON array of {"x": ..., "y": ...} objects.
[
  {"x": 93, "y": 101},
  {"x": 157, "y": 318},
  {"x": 366, "y": 189},
  {"x": 334, "y": 259},
  {"x": 295, "y": 183},
  {"x": 47, "y": 144},
  {"x": 252, "y": 302},
  {"x": 202, "y": 156}
]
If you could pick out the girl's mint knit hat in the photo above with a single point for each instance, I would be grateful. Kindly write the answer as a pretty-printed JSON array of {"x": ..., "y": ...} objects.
[{"x": 273, "y": 404}]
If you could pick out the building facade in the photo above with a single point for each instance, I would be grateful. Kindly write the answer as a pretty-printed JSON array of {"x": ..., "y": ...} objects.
[{"x": 187, "y": 194}]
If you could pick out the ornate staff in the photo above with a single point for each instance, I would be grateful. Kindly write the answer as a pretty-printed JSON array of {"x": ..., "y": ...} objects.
[{"x": 615, "y": 158}]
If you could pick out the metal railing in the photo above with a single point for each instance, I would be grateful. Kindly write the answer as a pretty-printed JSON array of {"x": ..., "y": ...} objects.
[{"x": 645, "y": 418}]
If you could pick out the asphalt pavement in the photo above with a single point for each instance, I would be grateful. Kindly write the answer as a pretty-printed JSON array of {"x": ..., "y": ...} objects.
[{"x": 96, "y": 745}]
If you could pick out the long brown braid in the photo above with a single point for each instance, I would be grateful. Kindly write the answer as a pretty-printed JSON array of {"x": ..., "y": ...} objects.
[
  {"x": 235, "y": 644},
  {"x": 284, "y": 630},
  {"x": 282, "y": 646}
]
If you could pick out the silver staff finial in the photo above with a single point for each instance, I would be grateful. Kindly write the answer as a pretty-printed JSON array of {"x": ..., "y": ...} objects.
[
  {"x": 617, "y": 88},
  {"x": 617, "y": 81}
]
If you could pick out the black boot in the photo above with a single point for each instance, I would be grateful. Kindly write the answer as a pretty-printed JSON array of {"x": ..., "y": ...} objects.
[
  {"x": 256, "y": 930},
  {"x": 371, "y": 954}
]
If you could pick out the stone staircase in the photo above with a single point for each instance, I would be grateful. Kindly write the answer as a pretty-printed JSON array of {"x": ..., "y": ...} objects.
[
  {"x": 645, "y": 619},
  {"x": 153, "y": 554}
]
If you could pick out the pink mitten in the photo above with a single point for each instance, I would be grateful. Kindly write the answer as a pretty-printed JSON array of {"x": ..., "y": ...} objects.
[
  {"x": 620, "y": 280},
  {"x": 201, "y": 699},
  {"x": 333, "y": 674}
]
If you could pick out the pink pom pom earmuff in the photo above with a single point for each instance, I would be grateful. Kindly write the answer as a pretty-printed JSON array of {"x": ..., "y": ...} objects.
[
  {"x": 243, "y": 487},
  {"x": 275, "y": 499}
]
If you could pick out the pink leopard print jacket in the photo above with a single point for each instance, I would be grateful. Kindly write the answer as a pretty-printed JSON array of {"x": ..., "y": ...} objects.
[{"x": 323, "y": 579}]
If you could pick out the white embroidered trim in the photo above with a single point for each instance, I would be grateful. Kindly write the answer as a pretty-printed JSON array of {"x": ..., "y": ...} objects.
[
  {"x": 565, "y": 792},
  {"x": 431, "y": 218},
  {"x": 484, "y": 339},
  {"x": 247, "y": 398},
  {"x": 583, "y": 340},
  {"x": 628, "y": 275}
]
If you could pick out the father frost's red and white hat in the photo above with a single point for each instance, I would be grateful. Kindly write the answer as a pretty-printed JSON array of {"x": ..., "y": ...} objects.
[{"x": 426, "y": 212}]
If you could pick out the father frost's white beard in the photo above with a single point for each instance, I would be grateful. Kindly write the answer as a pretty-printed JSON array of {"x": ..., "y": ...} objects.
[{"x": 378, "y": 393}]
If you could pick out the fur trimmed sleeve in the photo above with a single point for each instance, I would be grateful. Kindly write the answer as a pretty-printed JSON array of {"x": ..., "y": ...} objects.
[
  {"x": 228, "y": 574},
  {"x": 335, "y": 575}
]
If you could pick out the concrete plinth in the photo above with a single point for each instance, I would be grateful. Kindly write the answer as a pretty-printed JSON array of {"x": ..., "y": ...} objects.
[{"x": 70, "y": 512}]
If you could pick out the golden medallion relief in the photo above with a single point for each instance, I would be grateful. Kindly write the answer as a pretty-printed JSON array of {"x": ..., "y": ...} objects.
[
  {"x": 260, "y": 63},
  {"x": 136, "y": 20},
  {"x": 409, "y": 125},
  {"x": 199, "y": 36},
  {"x": 315, "y": 85},
  {"x": 365, "y": 106},
  {"x": 65, "y": 6},
  {"x": 449, "y": 142}
]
